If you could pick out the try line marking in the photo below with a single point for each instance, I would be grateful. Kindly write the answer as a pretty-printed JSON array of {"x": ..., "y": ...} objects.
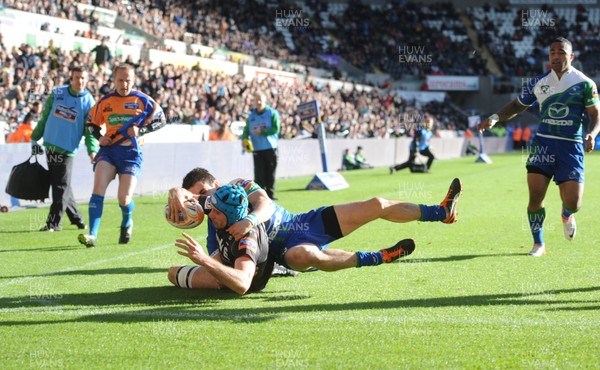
[
  {"x": 331, "y": 317},
  {"x": 84, "y": 266}
]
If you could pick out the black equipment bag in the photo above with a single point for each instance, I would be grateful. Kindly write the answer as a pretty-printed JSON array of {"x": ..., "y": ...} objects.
[
  {"x": 29, "y": 181},
  {"x": 414, "y": 166},
  {"x": 418, "y": 167}
]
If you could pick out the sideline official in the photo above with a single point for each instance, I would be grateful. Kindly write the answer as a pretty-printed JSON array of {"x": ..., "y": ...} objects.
[{"x": 263, "y": 129}]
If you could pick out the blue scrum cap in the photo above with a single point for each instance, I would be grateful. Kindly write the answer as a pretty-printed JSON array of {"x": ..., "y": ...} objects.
[{"x": 232, "y": 201}]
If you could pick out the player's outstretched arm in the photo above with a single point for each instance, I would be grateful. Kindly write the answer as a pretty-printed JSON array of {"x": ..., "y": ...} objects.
[
  {"x": 237, "y": 279},
  {"x": 507, "y": 112},
  {"x": 594, "y": 128}
]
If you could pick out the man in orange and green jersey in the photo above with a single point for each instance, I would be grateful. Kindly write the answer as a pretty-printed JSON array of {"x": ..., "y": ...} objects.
[{"x": 126, "y": 114}]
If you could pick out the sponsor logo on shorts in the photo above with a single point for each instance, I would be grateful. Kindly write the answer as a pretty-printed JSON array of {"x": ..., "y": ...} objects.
[
  {"x": 573, "y": 175},
  {"x": 130, "y": 169}
]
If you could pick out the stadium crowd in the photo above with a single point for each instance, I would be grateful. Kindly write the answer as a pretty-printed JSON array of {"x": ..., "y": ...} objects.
[
  {"x": 519, "y": 45},
  {"x": 256, "y": 29},
  {"x": 366, "y": 36},
  {"x": 196, "y": 96},
  {"x": 249, "y": 27},
  {"x": 370, "y": 38}
]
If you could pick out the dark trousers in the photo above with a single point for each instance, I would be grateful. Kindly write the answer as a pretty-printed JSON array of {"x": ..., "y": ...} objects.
[
  {"x": 411, "y": 159},
  {"x": 60, "y": 167},
  {"x": 265, "y": 165}
]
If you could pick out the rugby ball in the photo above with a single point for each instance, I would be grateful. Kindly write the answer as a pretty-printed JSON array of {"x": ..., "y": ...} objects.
[{"x": 194, "y": 215}]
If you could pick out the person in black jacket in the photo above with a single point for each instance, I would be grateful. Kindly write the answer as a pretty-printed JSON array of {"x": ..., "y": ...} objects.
[{"x": 102, "y": 52}]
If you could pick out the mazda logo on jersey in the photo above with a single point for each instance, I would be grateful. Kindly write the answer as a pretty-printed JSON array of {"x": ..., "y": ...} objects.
[{"x": 558, "y": 110}]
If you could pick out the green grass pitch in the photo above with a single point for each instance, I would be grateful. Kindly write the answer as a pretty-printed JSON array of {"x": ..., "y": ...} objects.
[{"x": 468, "y": 297}]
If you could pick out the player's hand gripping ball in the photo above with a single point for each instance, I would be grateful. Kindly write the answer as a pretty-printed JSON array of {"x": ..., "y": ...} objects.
[{"x": 194, "y": 215}]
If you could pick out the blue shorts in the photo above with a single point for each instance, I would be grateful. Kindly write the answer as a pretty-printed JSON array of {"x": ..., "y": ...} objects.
[
  {"x": 561, "y": 159},
  {"x": 318, "y": 227},
  {"x": 127, "y": 159}
]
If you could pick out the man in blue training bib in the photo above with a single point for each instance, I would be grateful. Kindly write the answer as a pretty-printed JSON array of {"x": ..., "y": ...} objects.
[
  {"x": 62, "y": 127},
  {"x": 262, "y": 128}
]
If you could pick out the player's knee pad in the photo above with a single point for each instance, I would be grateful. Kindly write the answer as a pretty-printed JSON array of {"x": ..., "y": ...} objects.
[{"x": 184, "y": 275}]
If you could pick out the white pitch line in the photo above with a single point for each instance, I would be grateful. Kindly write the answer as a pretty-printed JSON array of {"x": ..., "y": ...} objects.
[
  {"x": 289, "y": 317},
  {"x": 86, "y": 265}
]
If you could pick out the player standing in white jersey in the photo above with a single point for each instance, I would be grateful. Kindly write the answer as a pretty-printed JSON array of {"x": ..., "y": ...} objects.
[{"x": 564, "y": 95}]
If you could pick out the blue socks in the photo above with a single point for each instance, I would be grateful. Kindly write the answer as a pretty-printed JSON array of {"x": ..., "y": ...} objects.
[
  {"x": 95, "y": 213},
  {"x": 369, "y": 259},
  {"x": 432, "y": 213},
  {"x": 536, "y": 222},
  {"x": 127, "y": 211},
  {"x": 566, "y": 213}
]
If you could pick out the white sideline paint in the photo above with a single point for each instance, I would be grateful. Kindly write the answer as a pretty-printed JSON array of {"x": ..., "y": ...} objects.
[
  {"x": 290, "y": 317},
  {"x": 84, "y": 266}
]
